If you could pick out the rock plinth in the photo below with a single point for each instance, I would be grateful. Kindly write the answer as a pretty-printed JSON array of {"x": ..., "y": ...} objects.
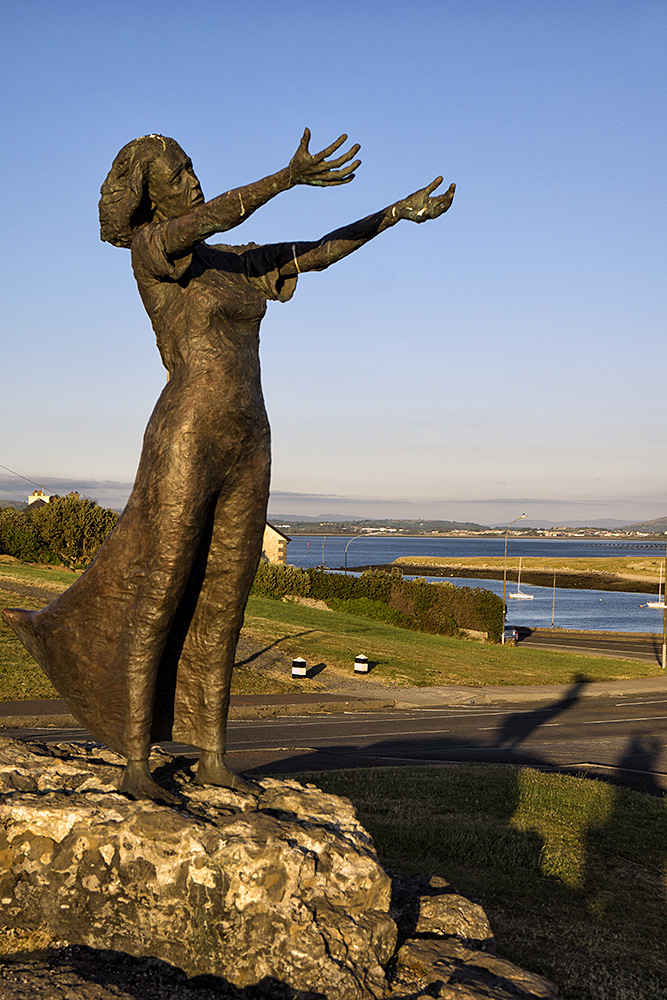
[
  {"x": 277, "y": 894},
  {"x": 283, "y": 886}
]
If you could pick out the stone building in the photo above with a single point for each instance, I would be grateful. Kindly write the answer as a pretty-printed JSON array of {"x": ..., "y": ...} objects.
[
  {"x": 274, "y": 545},
  {"x": 39, "y": 496}
]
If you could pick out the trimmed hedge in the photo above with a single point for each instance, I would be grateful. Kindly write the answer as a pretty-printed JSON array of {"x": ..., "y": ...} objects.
[{"x": 440, "y": 608}]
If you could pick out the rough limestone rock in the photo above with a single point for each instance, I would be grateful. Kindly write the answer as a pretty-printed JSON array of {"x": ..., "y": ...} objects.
[
  {"x": 282, "y": 888},
  {"x": 446, "y": 945},
  {"x": 462, "y": 973},
  {"x": 278, "y": 893},
  {"x": 428, "y": 905}
]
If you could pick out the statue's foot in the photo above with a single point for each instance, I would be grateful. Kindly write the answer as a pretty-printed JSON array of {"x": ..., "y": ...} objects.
[
  {"x": 212, "y": 770},
  {"x": 138, "y": 784}
]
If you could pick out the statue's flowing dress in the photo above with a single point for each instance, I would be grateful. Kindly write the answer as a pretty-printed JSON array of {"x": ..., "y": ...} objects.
[{"x": 142, "y": 646}]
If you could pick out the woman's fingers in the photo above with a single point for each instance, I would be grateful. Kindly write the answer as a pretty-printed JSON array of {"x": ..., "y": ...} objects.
[
  {"x": 332, "y": 164},
  {"x": 330, "y": 149},
  {"x": 433, "y": 185}
]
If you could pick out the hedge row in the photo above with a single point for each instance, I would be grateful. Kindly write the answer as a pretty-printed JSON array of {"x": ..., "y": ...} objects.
[{"x": 440, "y": 608}]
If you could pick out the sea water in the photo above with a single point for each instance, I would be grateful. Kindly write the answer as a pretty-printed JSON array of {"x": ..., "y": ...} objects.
[{"x": 616, "y": 611}]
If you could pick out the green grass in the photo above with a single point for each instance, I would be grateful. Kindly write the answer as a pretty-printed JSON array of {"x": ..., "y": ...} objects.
[
  {"x": 572, "y": 872},
  {"x": 20, "y": 677},
  {"x": 415, "y": 658},
  {"x": 401, "y": 657},
  {"x": 50, "y": 577}
]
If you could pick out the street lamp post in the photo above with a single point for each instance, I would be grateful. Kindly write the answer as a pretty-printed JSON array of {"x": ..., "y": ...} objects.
[
  {"x": 366, "y": 534},
  {"x": 502, "y": 637},
  {"x": 664, "y": 620}
]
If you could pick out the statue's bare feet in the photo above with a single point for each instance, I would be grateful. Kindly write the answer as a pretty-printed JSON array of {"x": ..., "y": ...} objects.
[
  {"x": 212, "y": 770},
  {"x": 138, "y": 784}
]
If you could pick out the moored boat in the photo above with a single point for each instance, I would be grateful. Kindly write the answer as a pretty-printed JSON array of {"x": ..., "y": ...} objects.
[{"x": 520, "y": 595}]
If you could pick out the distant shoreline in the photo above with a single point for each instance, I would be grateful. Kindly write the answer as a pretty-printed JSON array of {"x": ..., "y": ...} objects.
[
  {"x": 565, "y": 578},
  {"x": 609, "y": 539}
]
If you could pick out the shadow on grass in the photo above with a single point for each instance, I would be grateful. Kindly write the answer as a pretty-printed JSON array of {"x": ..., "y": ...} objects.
[
  {"x": 139, "y": 978},
  {"x": 572, "y": 873},
  {"x": 265, "y": 649}
]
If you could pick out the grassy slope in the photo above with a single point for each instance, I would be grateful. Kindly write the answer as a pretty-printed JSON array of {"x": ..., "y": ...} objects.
[
  {"x": 407, "y": 658},
  {"x": 329, "y": 637},
  {"x": 571, "y": 872}
]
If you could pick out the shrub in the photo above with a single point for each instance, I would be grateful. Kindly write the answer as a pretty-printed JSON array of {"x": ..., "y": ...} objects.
[
  {"x": 19, "y": 537},
  {"x": 279, "y": 581},
  {"x": 440, "y": 608},
  {"x": 376, "y": 610},
  {"x": 74, "y": 528},
  {"x": 67, "y": 530}
]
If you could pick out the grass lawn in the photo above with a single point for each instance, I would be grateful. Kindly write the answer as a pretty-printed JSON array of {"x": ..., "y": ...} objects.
[
  {"x": 415, "y": 658},
  {"x": 401, "y": 657},
  {"x": 572, "y": 872},
  {"x": 48, "y": 577}
]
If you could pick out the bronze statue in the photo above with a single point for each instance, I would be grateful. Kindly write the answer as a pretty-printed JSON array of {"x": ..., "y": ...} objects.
[{"x": 142, "y": 645}]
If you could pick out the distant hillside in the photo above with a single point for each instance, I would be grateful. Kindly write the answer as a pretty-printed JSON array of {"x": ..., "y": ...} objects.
[
  {"x": 656, "y": 527},
  {"x": 311, "y": 524}
]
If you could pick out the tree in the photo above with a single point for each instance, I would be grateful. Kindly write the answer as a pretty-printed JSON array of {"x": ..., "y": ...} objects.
[
  {"x": 73, "y": 528},
  {"x": 19, "y": 537}
]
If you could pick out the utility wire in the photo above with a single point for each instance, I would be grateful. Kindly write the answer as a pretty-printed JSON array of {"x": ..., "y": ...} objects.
[{"x": 19, "y": 476}]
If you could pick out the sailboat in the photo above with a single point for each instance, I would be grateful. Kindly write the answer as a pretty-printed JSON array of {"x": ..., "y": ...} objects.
[
  {"x": 520, "y": 596},
  {"x": 660, "y": 603}
]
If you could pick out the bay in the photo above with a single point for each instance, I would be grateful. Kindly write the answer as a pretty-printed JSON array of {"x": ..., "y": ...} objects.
[{"x": 593, "y": 610}]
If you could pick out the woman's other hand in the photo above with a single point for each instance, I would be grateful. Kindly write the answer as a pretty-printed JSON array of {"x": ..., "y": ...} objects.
[
  {"x": 313, "y": 168},
  {"x": 420, "y": 206}
]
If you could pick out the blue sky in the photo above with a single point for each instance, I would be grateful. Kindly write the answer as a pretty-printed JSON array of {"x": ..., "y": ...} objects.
[{"x": 506, "y": 357}]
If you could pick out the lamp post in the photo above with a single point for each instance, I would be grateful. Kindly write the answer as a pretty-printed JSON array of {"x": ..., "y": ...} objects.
[
  {"x": 365, "y": 535},
  {"x": 664, "y": 620},
  {"x": 502, "y": 638}
]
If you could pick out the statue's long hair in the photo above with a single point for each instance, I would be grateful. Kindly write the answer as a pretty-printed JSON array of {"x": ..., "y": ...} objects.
[{"x": 125, "y": 203}]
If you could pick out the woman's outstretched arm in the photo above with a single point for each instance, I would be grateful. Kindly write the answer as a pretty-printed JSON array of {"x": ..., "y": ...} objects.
[
  {"x": 233, "y": 207},
  {"x": 418, "y": 207}
]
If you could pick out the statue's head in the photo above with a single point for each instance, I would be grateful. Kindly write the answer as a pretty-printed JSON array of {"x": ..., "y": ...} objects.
[{"x": 151, "y": 178}]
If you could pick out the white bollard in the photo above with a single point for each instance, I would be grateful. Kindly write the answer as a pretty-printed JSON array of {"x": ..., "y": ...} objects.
[
  {"x": 299, "y": 667},
  {"x": 361, "y": 664}
]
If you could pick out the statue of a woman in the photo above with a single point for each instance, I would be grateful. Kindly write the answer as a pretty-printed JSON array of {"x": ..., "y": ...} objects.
[{"x": 142, "y": 646}]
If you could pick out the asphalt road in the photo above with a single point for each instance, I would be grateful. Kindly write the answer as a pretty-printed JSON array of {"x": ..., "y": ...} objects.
[
  {"x": 625, "y": 645},
  {"x": 621, "y": 739}
]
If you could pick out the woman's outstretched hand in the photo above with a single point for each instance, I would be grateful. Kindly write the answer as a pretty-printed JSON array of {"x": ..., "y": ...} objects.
[
  {"x": 420, "y": 206},
  {"x": 313, "y": 168}
]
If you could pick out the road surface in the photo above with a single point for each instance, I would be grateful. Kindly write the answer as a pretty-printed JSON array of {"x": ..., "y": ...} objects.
[
  {"x": 624, "y": 644},
  {"x": 620, "y": 738}
]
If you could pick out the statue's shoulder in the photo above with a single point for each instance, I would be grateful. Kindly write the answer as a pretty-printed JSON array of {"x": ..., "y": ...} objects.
[{"x": 229, "y": 248}]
